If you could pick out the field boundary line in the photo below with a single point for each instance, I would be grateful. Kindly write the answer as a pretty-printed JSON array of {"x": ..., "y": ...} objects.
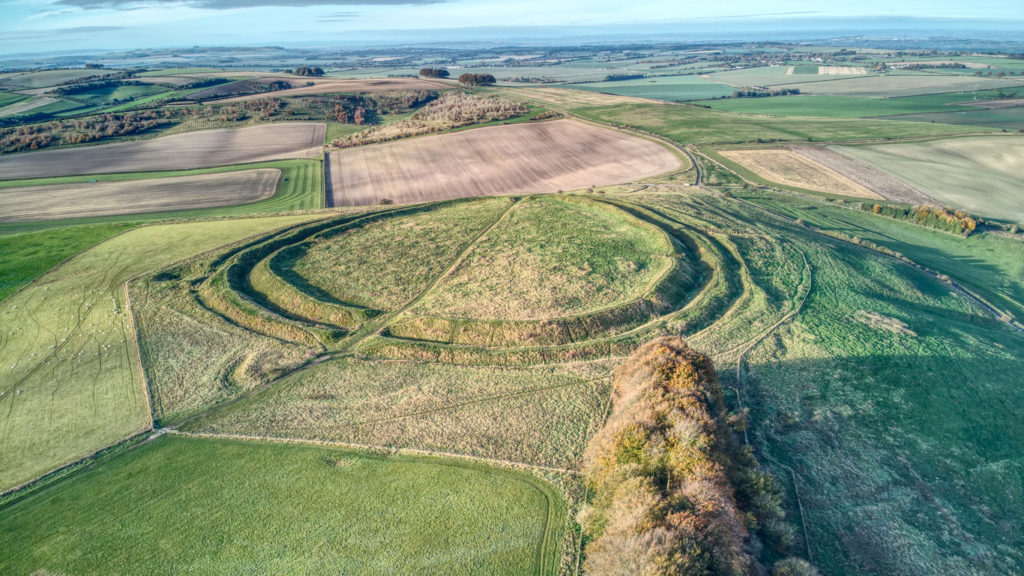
[{"x": 373, "y": 448}]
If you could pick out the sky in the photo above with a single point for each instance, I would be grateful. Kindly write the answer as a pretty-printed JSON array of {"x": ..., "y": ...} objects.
[{"x": 32, "y": 26}]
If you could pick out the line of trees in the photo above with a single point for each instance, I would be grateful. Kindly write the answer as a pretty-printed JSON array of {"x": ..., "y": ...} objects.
[
  {"x": 477, "y": 79},
  {"x": 955, "y": 221},
  {"x": 672, "y": 490},
  {"x": 765, "y": 93},
  {"x": 622, "y": 77},
  {"x": 308, "y": 71},
  {"x": 434, "y": 73}
]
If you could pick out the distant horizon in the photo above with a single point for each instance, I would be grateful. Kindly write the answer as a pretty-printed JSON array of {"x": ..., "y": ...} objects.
[{"x": 31, "y": 27}]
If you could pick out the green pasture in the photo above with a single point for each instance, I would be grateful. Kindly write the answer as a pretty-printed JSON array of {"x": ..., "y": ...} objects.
[{"x": 201, "y": 506}]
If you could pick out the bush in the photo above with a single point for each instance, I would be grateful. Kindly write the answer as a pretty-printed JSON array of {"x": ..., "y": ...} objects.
[
  {"x": 477, "y": 79},
  {"x": 308, "y": 71},
  {"x": 794, "y": 567}
]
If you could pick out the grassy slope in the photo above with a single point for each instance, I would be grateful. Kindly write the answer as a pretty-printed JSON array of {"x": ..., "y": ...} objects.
[
  {"x": 538, "y": 415},
  {"x": 69, "y": 381},
  {"x": 903, "y": 446},
  {"x": 989, "y": 265},
  {"x": 217, "y": 506},
  {"x": 979, "y": 174},
  {"x": 28, "y": 256},
  {"x": 299, "y": 189},
  {"x": 173, "y": 327}
]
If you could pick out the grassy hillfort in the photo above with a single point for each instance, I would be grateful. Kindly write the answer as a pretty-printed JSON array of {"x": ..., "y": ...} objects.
[{"x": 744, "y": 309}]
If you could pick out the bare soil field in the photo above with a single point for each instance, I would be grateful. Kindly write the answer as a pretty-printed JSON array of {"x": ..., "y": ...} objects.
[
  {"x": 328, "y": 85},
  {"x": 202, "y": 149},
  {"x": 792, "y": 169},
  {"x": 877, "y": 181},
  {"x": 514, "y": 159},
  {"x": 137, "y": 196},
  {"x": 169, "y": 80},
  {"x": 840, "y": 70}
]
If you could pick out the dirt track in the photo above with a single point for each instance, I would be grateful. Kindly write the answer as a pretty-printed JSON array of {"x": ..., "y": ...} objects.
[
  {"x": 514, "y": 159},
  {"x": 136, "y": 196},
  {"x": 202, "y": 149}
]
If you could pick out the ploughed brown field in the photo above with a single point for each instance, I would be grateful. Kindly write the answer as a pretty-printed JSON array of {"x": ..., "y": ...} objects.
[
  {"x": 331, "y": 85},
  {"x": 202, "y": 149},
  {"x": 793, "y": 169},
  {"x": 515, "y": 159},
  {"x": 136, "y": 196}
]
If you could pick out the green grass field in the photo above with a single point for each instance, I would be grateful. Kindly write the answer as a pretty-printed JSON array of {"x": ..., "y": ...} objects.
[
  {"x": 30, "y": 255},
  {"x": 300, "y": 189},
  {"x": 900, "y": 84},
  {"x": 179, "y": 505},
  {"x": 58, "y": 107},
  {"x": 671, "y": 88},
  {"x": 66, "y": 347},
  {"x": 693, "y": 125},
  {"x": 101, "y": 97},
  {"x": 10, "y": 98},
  {"x": 1004, "y": 118},
  {"x": 834, "y": 106},
  {"x": 980, "y": 174}
]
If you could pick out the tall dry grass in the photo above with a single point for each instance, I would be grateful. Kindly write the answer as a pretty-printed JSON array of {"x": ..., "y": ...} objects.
[{"x": 450, "y": 111}]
